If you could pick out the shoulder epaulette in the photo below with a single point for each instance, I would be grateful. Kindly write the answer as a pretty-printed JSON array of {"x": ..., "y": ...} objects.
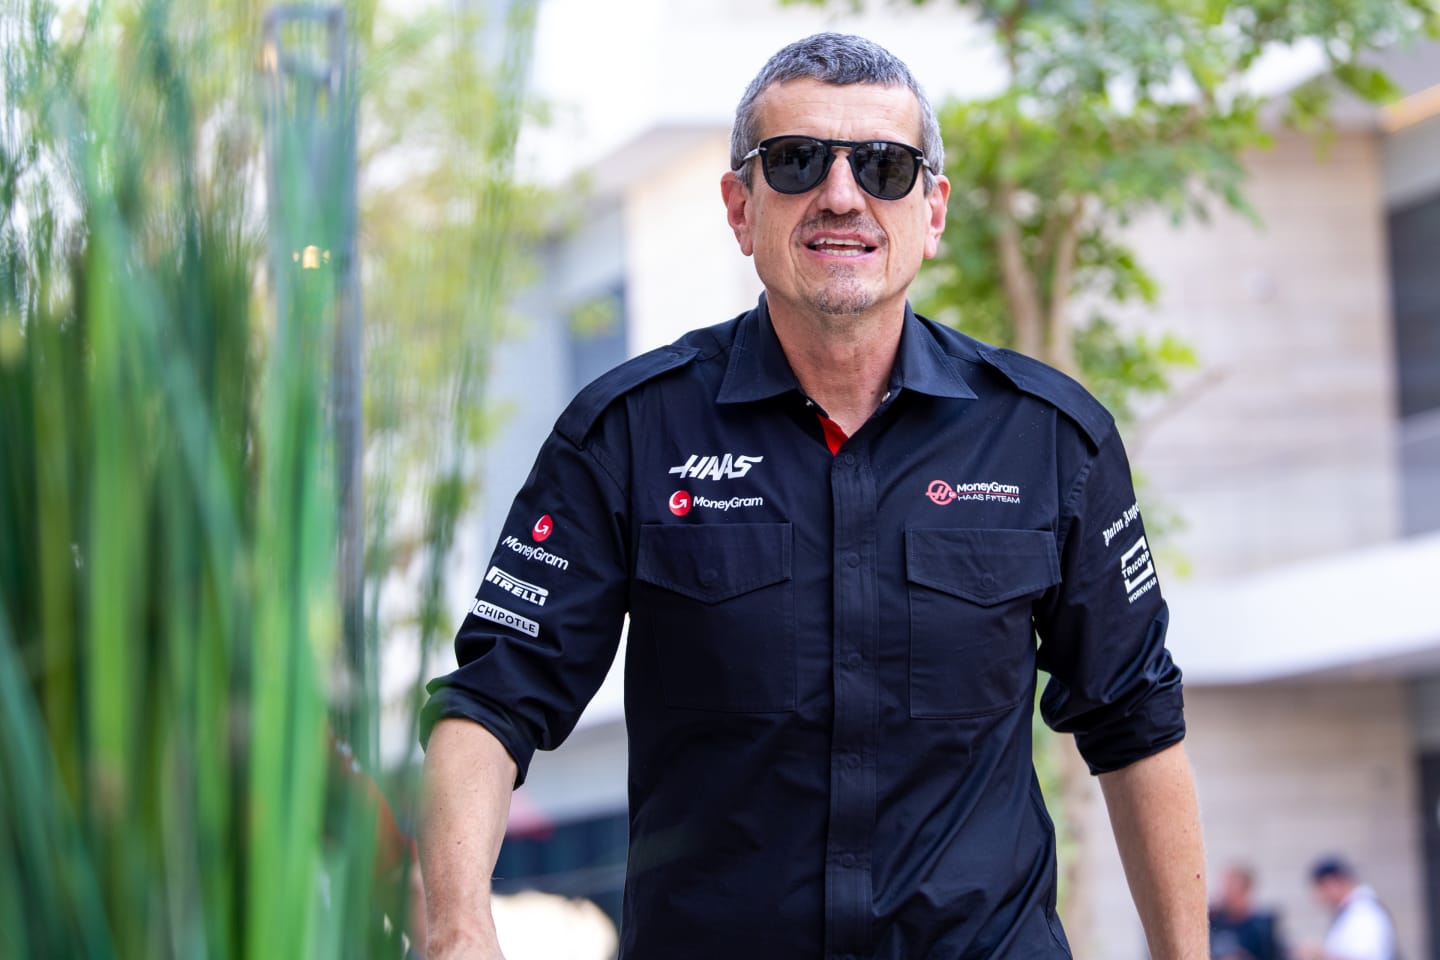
[
  {"x": 1047, "y": 383},
  {"x": 575, "y": 423}
]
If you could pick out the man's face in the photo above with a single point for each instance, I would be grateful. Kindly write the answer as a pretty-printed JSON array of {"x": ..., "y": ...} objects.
[
  {"x": 804, "y": 244},
  {"x": 1332, "y": 891},
  {"x": 1235, "y": 892}
]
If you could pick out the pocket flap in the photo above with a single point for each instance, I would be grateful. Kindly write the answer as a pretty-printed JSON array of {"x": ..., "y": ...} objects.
[
  {"x": 982, "y": 566},
  {"x": 713, "y": 562}
]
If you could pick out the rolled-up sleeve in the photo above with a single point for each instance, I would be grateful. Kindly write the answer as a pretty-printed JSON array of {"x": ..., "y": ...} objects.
[
  {"x": 1102, "y": 629},
  {"x": 542, "y": 631}
]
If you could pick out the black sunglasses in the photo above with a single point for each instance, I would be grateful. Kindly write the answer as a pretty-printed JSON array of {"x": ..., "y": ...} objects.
[{"x": 794, "y": 164}]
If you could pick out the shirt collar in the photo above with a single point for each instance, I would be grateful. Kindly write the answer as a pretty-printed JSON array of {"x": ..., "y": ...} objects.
[{"x": 758, "y": 368}]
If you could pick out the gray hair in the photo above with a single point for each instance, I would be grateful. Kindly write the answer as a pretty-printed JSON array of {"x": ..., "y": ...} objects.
[{"x": 840, "y": 59}]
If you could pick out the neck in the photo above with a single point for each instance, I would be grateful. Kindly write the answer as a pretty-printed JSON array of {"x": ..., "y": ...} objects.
[{"x": 842, "y": 363}]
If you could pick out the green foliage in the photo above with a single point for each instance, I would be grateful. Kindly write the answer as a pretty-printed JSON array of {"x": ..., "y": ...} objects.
[
  {"x": 1113, "y": 111},
  {"x": 169, "y": 618},
  {"x": 443, "y": 229},
  {"x": 1134, "y": 365}
]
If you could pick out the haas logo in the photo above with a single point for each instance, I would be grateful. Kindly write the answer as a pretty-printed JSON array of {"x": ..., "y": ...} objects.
[
  {"x": 542, "y": 529},
  {"x": 679, "y": 503},
  {"x": 717, "y": 467},
  {"x": 941, "y": 492}
]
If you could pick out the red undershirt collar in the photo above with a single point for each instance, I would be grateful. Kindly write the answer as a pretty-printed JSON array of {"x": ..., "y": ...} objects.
[{"x": 834, "y": 436}]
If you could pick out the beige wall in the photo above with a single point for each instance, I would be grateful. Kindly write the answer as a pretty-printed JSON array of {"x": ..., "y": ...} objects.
[
  {"x": 1287, "y": 772},
  {"x": 1285, "y": 447},
  {"x": 683, "y": 267}
]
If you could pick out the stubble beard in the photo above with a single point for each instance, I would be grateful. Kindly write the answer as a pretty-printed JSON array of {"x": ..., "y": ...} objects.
[{"x": 844, "y": 296}]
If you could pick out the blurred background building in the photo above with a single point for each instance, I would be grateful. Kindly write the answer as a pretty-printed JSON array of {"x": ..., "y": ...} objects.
[{"x": 1302, "y": 458}]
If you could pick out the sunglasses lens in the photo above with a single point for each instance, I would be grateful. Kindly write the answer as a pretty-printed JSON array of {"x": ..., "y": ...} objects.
[
  {"x": 885, "y": 170},
  {"x": 796, "y": 164}
]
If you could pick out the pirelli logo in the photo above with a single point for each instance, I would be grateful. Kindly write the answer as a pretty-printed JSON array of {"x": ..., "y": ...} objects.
[{"x": 529, "y": 592}]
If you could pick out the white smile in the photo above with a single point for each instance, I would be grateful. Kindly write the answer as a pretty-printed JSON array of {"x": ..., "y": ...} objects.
[{"x": 840, "y": 248}]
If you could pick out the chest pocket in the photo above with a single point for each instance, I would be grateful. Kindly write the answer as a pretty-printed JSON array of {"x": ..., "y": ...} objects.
[
  {"x": 718, "y": 603},
  {"x": 972, "y": 647}
]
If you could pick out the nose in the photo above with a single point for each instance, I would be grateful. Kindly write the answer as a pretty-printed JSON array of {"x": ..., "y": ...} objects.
[{"x": 840, "y": 193}]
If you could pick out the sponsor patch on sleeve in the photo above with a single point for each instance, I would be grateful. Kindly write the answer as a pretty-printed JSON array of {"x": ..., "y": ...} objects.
[
  {"x": 506, "y": 618},
  {"x": 511, "y": 584},
  {"x": 1138, "y": 570}
]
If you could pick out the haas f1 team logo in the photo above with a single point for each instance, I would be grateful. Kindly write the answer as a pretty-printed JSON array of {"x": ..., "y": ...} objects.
[
  {"x": 942, "y": 493},
  {"x": 717, "y": 467}
]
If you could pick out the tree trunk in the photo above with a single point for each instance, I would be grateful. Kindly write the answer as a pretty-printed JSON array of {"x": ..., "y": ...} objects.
[
  {"x": 1059, "y": 343},
  {"x": 1021, "y": 295}
]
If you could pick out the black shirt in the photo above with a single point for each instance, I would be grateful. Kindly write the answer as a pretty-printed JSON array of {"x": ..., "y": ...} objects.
[
  {"x": 832, "y": 656},
  {"x": 1255, "y": 936}
]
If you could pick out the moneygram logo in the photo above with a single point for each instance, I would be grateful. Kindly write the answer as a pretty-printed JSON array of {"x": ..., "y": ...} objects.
[
  {"x": 943, "y": 493},
  {"x": 537, "y": 554},
  {"x": 718, "y": 467},
  {"x": 682, "y": 502},
  {"x": 542, "y": 529}
]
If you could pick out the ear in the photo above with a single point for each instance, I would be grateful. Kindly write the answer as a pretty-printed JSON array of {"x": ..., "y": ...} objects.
[
  {"x": 737, "y": 210},
  {"x": 936, "y": 203}
]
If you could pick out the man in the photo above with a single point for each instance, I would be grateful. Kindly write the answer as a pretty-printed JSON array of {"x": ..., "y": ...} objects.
[
  {"x": 1361, "y": 928},
  {"x": 835, "y": 527},
  {"x": 1237, "y": 930}
]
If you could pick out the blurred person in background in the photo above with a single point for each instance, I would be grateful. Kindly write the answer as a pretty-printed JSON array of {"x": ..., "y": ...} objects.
[
  {"x": 1360, "y": 928},
  {"x": 837, "y": 528},
  {"x": 1237, "y": 930}
]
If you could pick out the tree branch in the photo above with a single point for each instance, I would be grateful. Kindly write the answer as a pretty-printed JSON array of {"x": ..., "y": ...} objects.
[
  {"x": 1018, "y": 280},
  {"x": 1060, "y": 345}
]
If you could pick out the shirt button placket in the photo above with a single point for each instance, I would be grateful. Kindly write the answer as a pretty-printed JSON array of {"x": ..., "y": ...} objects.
[{"x": 854, "y": 731}]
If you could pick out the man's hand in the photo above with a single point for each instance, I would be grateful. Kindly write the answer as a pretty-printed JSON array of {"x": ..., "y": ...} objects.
[
  {"x": 1156, "y": 819},
  {"x": 468, "y": 780}
]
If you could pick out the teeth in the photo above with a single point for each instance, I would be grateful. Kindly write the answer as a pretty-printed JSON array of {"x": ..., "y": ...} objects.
[{"x": 840, "y": 247}]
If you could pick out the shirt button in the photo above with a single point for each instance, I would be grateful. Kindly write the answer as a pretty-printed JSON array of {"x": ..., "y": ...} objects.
[
  {"x": 853, "y": 661},
  {"x": 848, "y": 860},
  {"x": 849, "y": 459},
  {"x": 851, "y": 761},
  {"x": 709, "y": 576},
  {"x": 987, "y": 581},
  {"x": 852, "y": 559}
]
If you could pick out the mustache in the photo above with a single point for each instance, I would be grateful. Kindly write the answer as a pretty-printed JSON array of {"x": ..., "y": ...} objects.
[{"x": 854, "y": 223}]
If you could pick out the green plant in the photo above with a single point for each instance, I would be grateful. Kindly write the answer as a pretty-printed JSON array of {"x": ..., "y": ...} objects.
[{"x": 169, "y": 614}]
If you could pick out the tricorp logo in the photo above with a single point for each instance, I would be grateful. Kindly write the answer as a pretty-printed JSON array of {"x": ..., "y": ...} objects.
[
  {"x": 542, "y": 529},
  {"x": 941, "y": 492},
  {"x": 680, "y": 503}
]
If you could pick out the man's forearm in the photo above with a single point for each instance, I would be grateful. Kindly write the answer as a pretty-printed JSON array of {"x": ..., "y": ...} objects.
[
  {"x": 1156, "y": 819},
  {"x": 468, "y": 780}
]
